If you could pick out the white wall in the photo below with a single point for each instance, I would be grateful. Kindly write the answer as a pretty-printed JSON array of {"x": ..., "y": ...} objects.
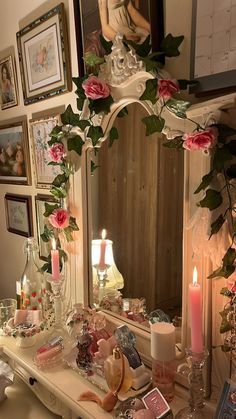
[{"x": 14, "y": 15}]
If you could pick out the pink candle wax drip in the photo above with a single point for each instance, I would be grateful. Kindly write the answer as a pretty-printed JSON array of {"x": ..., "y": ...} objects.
[
  {"x": 195, "y": 309},
  {"x": 55, "y": 262}
]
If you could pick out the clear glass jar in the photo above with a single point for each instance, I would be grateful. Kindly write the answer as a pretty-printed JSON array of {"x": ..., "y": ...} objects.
[{"x": 31, "y": 282}]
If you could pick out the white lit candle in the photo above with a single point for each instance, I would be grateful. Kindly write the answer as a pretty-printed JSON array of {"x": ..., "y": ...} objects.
[
  {"x": 103, "y": 244},
  {"x": 195, "y": 310},
  {"x": 55, "y": 261}
]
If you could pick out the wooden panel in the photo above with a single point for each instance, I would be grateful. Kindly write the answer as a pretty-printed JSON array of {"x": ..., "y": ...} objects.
[{"x": 140, "y": 205}]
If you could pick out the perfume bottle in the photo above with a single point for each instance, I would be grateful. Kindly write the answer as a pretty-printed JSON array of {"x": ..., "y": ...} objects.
[
  {"x": 84, "y": 356},
  {"x": 31, "y": 281},
  {"x": 117, "y": 372}
]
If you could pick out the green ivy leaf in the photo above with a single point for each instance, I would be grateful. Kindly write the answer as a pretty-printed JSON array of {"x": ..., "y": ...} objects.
[
  {"x": 54, "y": 140},
  {"x": 93, "y": 167},
  {"x": 225, "y": 325},
  {"x": 69, "y": 117},
  {"x": 151, "y": 65},
  {"x": 123, "y": 112},
  {"x": 47, "y": 234},
  {"x": 56, "y": 131},
  {"x": 178, "y": 107},
  {"x": 78, "y": 81},
  {"x": 142, "y": 50},
  {"x": 212, "y": 199},
  {"x": 226, "y": 292},
  {"x": 73, "y": 224},
  {"x": 170, "y": 45},
  {"x": 76, "y": 144},
  {"x": 231, "y": 171},
  {"x": 150, "y": 92},
  {"x": 58, "y": 192},
  {"x": 60, "y": 180},
  {"x": 224, "y": 131},
  {"x": 49, "y": 208},
  {"x": 68, "y": 233},
  {"x": 83, "y": 123},
  {"x": 220, "y": 157},
  {"x": 47, "y": 267},
  {"x": 92, "y": 59},
  {"x": 107, "y": 45},
  {"x": 223, "y": 272},
  {"x": 80, "y": 103},
  {"x": 183, "y": 83},
  {"x": 176, "y": 142},
  {"x": 113, "y": 135},
  {"x": 206, "y": 180},
  {"x": 153, "y": 124},
  {"x": 229, "y": 257},
  {"x": 95, "y": 133},
  {"x": 62, "y": 255},
  {"x": 101, "y": 105},
  {"x": 217, "y": 224}
]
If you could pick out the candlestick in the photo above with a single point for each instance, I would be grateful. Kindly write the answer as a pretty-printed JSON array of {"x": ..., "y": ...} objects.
[
  {"x": 55, "y": 262},
  {"x": 102, "y": 264},
  {"x": 195, "y": 309}
]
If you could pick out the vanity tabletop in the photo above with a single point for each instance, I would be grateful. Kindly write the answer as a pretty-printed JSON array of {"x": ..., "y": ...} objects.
[{"x": 64, "y": 382}]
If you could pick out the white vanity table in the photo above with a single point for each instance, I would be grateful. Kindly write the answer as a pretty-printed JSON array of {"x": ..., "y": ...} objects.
[{"x": 59, "y": 388}]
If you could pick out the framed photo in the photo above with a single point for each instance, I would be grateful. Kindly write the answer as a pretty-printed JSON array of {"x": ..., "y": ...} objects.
[
  {"x": 44, "y": 248},
  {"x": 44, "y": 56},
  {"x": 8, "y": 83},
  {"x": 19, "y": 214},
  {"x": 89, "y": 29},
  {"x": 226, "y": 407},
  {"x": 39, "y": 131},
  {"x": 213, "y": 49},
  {"x": 14, "y": 153}
]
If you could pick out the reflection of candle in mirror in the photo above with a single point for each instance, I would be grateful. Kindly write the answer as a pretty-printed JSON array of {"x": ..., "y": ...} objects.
[
  {"x": 195, "y": 308},
  {"x": 103, "y": 244},
  {"x": 55, "y": 261}
]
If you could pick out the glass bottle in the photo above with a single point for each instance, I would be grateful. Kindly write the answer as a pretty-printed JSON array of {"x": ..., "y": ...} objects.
[
  {"x": 31, "y": 281},
  {"x": 117, "y": 372}
]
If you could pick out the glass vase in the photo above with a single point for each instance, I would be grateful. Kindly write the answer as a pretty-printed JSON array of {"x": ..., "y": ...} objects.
[{"x": 195, "y": 410}]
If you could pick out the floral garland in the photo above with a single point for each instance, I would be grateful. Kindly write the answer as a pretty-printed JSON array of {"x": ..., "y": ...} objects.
[{"x": 94, "y": 97}]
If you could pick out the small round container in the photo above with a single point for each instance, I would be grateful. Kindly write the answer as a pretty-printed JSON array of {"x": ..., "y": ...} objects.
[{"x": 7, "y": 310}]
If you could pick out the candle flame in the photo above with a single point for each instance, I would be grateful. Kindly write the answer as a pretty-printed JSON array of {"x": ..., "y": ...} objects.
[
  {"x": 54, "y": 246},
  {"x": 194, "y": 275},
  {"x": 104, "y": 233}
]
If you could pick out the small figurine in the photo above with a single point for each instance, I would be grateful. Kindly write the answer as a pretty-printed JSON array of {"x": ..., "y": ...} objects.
[{"x": 84, "y": 356}]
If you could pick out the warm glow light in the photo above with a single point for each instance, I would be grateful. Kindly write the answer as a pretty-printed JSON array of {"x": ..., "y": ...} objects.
[
  {"x": 104, "y": 233},
  {"x": 54, "y": 246},
  {"x": 195, "y": 276}
]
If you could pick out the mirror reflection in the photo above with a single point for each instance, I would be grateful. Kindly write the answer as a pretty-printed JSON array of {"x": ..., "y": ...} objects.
[{"x": 137, "y": 198}]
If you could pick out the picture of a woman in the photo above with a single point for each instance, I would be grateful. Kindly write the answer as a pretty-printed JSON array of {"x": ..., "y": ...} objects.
[{"x": 7, "y": 87}]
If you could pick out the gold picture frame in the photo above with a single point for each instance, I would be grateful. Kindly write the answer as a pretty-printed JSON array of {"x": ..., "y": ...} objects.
[
  {"x": 19, "y": 214},
  {"x": 44, "y": 56}
]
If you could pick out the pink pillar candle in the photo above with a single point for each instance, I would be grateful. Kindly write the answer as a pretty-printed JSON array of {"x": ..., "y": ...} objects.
[
  {"x": 55, "y": 262},
  {"x": 195, "y": 310},
  {"x": 103, "y": 244}
]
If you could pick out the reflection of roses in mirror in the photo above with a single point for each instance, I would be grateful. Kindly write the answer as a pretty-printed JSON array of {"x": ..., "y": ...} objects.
[
  {"x": 95, "y": 88},
  {"x": 59, "y": 218},
  {"x": 166, "y": 88},
  {"x": 202, "y": 140},
  {"x": 57, "y": 152}
]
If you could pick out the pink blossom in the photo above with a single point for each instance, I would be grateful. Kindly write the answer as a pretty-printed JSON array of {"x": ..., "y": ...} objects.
[
  {"x": 231, "y": 285},
  {"x": 57, "y": 152},
  {"x": 95, "y": 88},
  {"x": 59, "y": 218},
  {"x": 166, "y": 88},
  {"x": 202, "y": 140}
]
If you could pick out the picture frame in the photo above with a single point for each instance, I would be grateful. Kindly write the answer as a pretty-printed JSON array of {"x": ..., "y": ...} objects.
[
  {"x": 88, "y": 26},
  {"x": 19, "y": 214},
  {"x": 14, "y": 153},
  {"x": 226, "y": 407},
  {"x": 40, "y": 200},
  {"x": 40, "y": 129},
  {"x": 44, "y": 56},
  {"x": 213, "y": 47},
  {"x": 8, "y": 82}
]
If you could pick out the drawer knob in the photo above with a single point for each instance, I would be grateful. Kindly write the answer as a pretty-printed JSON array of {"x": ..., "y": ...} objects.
[{"x": 32, "y": 381}]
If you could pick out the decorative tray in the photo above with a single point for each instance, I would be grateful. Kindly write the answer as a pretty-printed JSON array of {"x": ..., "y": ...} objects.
[{"x": 98, "y": 380}]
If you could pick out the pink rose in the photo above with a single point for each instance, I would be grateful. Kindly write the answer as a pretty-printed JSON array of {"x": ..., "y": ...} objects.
[
  {"x": 59, "y": 218},
  {"x": 166, "y": 88},
  {"x": 95, "y": 88},
  {"x": 57, "y": 152},
  {"x": 200, "y": 140}
]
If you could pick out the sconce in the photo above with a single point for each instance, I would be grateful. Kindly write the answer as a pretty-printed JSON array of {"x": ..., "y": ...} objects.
[{"x": 105, "y": 276}]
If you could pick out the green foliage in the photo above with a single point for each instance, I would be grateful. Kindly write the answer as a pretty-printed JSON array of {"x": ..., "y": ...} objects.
[
  {"x": 153, "y": 124},
  {"x": 76, "y": 144},
  {"x": 112, "y": 136},
  {"x": 178, "y": 107},
  {"x": 170, "y": 45},
  {"x": 211, "y": 200},
  {"x": 150, "y": 93}
]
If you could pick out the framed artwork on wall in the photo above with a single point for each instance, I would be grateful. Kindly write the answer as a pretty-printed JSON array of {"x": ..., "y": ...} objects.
[
  {"x": 14, "y": 153},
  {"x": 19, "y": 214},
  {"x": 39, "y": 132},
  {"x": 213, "y": 49},
  {"x": 8, "y": 83},
  {"x": 44, "y": 56},
  {"x": 89, "y": 29},
  {"x": 40, "y": 200}
]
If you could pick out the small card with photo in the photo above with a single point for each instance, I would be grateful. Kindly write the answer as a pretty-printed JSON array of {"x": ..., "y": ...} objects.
[
  {"x": 154, "y": 401},
  {"x": 226, "y": 407}
]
